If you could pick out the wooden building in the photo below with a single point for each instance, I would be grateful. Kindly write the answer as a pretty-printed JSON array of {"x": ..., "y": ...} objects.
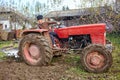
[
  {"x": 105, "y": 14},
  {"x": 78, "y": 16}
]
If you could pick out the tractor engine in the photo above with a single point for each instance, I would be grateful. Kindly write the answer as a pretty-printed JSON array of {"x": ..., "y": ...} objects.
[{"x": 77, "y": 41}]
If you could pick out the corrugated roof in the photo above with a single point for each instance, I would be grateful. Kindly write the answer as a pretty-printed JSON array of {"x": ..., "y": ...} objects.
[{"x": 76, "y": 12}]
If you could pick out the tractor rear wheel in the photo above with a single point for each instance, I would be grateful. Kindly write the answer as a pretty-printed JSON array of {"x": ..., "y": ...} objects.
[
  {"x": 35, "y": 50},
  {"x": 96, "y": 58}
]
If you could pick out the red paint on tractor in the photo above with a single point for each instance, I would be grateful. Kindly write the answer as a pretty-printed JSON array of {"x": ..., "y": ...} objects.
[{"x": 96, "y": 31}]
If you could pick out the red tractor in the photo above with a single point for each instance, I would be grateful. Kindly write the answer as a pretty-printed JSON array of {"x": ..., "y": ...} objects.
[{"x": 90, "y": 40}]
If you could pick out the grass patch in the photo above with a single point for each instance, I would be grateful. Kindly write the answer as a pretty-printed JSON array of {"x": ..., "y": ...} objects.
[
  {"x": 74, "y": 61},
  {"x": 2, "y": 55},
  {"x": 115, "y": 69},
  {"x": 8, "y": 43},
  {"x": 72, "y": 58},
  {"x": 5, "y": 43}
]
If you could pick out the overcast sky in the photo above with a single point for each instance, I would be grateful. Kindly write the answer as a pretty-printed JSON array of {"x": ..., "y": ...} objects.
[{"x": 72, "y": 4}]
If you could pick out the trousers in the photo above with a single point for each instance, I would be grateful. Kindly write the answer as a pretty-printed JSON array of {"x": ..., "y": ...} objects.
[{"x": 52, "y": 36}]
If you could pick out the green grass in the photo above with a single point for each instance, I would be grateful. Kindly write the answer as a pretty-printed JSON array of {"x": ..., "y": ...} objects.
[
  {"x": 5, "y": 43},
  {"x": 115, "y": 69},
  {"x": 2, "y": 55}
]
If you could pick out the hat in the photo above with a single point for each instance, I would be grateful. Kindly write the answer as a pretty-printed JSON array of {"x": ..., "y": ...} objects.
[{"x": 39, "y": 17}]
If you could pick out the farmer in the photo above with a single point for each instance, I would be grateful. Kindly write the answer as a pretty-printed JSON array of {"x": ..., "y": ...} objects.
[{"x": 46, "y": 25}]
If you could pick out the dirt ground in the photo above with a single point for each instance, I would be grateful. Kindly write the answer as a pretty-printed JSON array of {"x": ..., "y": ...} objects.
[
  {"x": 66, "y": 67},
  {"x": 57, "y": 70}
]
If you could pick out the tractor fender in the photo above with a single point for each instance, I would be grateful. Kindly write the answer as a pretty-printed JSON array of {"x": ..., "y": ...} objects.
[{"x": 40, "y": 31}]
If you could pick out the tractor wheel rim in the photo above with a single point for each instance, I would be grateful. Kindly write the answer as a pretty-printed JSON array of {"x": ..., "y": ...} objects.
[
  {"x": 34, "y": 51},
  {"x": 29, "y": 55},
  {"x": 95, "y": 60}
]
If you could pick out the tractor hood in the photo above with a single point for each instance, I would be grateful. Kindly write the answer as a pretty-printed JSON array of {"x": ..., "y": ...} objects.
[
  {"x": 96, "y": 31},
  {"x": 79, "y": 30}
]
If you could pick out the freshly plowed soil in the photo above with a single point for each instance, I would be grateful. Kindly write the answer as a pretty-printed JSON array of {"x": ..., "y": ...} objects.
[{"x": 57, "y": 70}]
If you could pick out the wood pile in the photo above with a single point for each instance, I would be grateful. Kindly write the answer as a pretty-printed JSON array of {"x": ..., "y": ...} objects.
[
  {"x": 18, "y": 33},
  {"x": 0, "y": 31},
  {"x": 11, "y": 35},
  {"x": 4, "y": 35}
]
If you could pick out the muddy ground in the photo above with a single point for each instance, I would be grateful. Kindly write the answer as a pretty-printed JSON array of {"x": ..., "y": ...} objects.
[
  {"x": 66, "y": 67},
  {"x": 11, "y": 69}
]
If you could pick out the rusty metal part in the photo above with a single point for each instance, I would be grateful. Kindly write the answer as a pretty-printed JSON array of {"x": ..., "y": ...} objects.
[{"x": 95, "y": 60}]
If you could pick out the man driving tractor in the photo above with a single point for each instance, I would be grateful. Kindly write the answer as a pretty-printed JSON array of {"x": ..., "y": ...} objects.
[{"x": 46, "y": 25}]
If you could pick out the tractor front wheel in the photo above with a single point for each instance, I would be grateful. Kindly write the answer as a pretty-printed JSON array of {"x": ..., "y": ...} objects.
[
  {"x": 35, "y": 50},
  {"x": 96, "y": 58}
]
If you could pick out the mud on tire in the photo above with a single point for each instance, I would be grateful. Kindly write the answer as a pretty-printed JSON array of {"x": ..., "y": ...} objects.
[
  {"x": 96, "y": 58},
  {"x": 35, "y": 50}
]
